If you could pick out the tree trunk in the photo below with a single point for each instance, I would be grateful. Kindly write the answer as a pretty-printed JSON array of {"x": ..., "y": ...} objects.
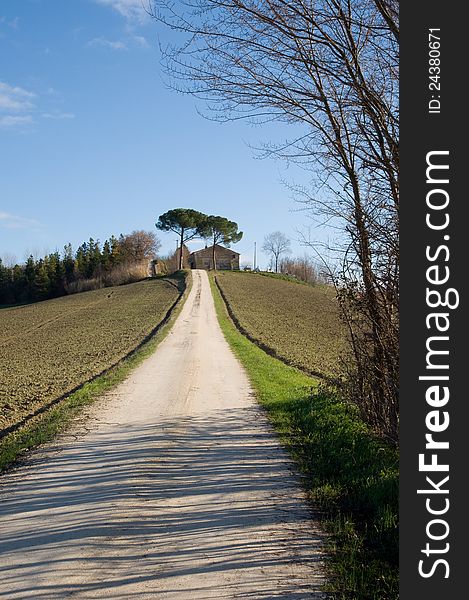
[
  {"x": 213, "y": 257},
  {"x": 180, "y": 249}
]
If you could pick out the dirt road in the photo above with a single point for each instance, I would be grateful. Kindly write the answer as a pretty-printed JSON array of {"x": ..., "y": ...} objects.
[{"x": 175, "y": 487}]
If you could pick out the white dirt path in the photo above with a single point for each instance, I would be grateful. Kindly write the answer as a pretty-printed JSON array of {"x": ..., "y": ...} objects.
[{"x": 174, "y": 487}]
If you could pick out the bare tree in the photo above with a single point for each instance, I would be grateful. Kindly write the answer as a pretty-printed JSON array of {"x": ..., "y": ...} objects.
[
  {"x": 276, "y": 244},
  {"x": 332, "y": 67},
  {"x": 139, "y": 245},
  {"x": 9, "y": 259}
]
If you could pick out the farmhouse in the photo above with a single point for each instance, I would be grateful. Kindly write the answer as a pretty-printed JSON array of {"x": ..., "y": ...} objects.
[{"x": 225, "y": 258}]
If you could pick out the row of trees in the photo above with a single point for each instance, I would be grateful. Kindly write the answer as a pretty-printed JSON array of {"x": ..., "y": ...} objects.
[
  {"x": 189, "y": 224},
  {"x": 60, "y": 273}
]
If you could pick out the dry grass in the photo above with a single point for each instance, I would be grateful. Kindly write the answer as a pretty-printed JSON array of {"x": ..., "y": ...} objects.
[
  {"x": 120, "y": 275},
  {"x": 300, "y": 323}
]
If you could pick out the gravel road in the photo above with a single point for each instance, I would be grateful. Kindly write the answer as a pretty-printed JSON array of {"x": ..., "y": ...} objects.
[{"x": 174, "y": 486}]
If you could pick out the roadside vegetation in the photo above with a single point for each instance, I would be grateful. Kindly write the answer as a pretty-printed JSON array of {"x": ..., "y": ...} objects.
[
  {"x": 351, "y": 476},
  {"x": 299, "y": 324},
  {"x": 50, "y": 348}
]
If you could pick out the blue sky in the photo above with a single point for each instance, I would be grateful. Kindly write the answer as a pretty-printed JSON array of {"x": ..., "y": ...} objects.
[{"x": 92, "y": 143}]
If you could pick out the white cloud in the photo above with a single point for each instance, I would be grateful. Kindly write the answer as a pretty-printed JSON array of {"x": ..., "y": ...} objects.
[
  {"x": 18, "y": 110},
  {"x": 9, "y": 221},
  {"x": 141, "y": 41},
  {"x": 13, "y": 23},
  {"x": 114, "y": 45},
  {"x": 133, "y": 10},
  {"x": 15, "y": 121},
  {"x": 16, "y": 90},
  {"x": 16, "y": 106},
  {"x": 58, "y": 115},
  {"x": 15, "y": 99},
  {"x": 9, "y": 102}
]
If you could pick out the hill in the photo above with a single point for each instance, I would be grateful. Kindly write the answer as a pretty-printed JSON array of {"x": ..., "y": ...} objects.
[{"x": 50, "y": 348}]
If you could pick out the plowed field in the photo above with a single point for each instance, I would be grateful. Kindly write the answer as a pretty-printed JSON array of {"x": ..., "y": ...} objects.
[
  {"x": 300, "y": 323},
  {"x": 49, "y": 348}
]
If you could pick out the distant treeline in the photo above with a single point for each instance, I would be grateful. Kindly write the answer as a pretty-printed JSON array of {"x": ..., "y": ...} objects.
[{"x": 93, "y": 265}]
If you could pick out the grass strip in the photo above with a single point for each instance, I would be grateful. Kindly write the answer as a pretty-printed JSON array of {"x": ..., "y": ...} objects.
[
  {"x": 351, "y": 476},
  {"x": 45, "y": 426}
]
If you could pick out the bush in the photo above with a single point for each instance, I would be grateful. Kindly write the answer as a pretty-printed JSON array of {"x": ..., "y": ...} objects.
[
  {"x": 120, "y": 275},
  {"x": 126, "y": 273}
]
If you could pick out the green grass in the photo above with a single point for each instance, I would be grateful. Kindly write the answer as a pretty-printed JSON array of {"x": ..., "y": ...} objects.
[
  {"x": 47, "y": 425},
  {"x": 351, "y": 476}
]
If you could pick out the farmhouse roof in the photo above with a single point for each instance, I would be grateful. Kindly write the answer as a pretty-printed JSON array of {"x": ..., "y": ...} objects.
[{"x": 217, "y": 247}]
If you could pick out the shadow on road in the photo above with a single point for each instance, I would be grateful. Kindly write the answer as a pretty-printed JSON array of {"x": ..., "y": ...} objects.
[{"x": 192, "y": 507}]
